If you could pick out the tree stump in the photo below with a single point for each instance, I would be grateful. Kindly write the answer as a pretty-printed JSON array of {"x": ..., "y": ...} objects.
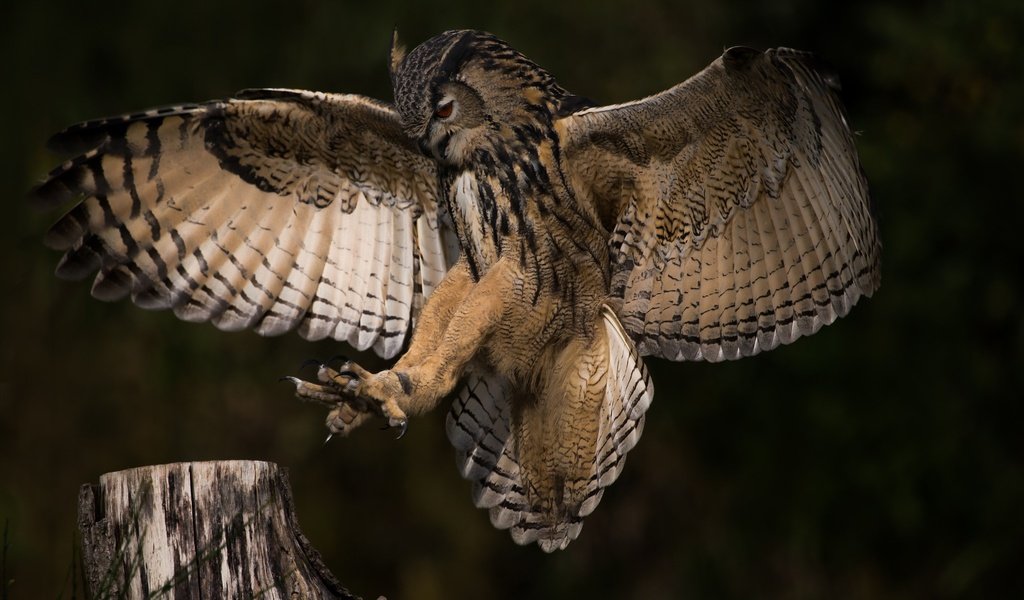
[{"x": 223, "y": 529}]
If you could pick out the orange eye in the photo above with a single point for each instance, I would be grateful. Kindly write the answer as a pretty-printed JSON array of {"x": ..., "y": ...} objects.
[{"x": 444, "y": 110}]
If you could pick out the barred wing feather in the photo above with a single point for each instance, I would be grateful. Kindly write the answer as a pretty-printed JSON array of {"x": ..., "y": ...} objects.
[
  {"x": 272, "y": 210},
  {"x": 738, "y": 210}
]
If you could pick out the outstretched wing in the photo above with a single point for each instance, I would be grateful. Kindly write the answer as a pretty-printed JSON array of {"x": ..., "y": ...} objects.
[
  {"x": 273, "y": 210},
  {"x": 738, "y": 211}
]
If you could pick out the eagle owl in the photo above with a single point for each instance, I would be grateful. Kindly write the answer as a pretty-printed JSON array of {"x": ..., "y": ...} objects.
[{"x": 519, "y": 248}]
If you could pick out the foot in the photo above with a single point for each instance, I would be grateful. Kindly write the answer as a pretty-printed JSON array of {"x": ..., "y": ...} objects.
[{"x": 345, "y": 392}]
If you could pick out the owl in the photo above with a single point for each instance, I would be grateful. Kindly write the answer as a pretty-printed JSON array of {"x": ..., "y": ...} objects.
[{"x": 517, "y": 247}]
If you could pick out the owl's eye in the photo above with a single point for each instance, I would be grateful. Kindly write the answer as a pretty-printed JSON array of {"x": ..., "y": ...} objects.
[{"x": 444, "y": 109}]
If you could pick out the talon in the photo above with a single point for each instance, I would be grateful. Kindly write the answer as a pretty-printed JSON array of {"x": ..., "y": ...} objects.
[
  {"x": 329, "y": 436},
  {"x": 310, "y": 362},
  {"x": 344, "y": 359},
  {"x": 295, "y": 380},
  {"x": 401, "y": 424}
]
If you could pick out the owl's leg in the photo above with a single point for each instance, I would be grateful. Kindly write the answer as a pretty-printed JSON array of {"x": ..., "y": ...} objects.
[
  {"x": 448, "y": 338},
  {"x": 429, "y": 372},
  {"x": 342, "y": 390},
  {"x": 437, "y": 315}
]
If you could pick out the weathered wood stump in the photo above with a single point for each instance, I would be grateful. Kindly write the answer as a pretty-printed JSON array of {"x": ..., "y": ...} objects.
[{"x": 198, "y": 530}]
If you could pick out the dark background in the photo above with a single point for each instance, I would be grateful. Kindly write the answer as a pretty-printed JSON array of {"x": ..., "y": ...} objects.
[{"x": 881, "y": 458}]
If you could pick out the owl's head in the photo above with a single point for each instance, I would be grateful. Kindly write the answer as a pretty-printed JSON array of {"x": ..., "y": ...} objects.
[{"x": 466, "y": 91}]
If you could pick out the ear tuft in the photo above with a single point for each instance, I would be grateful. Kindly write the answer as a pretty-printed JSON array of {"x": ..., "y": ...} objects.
[{"x": 397, "y": 54}]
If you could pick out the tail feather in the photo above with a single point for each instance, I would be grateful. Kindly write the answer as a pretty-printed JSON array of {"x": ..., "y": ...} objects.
[{"x": 487, "y": 414}]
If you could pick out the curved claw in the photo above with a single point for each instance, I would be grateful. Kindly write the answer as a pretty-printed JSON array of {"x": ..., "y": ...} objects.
[
  {"x": 401, "y": 424},
  {"x": 294, "y": 380},
  {"x": 341, "y": 357},
  {"x": 310, "y": 362}
]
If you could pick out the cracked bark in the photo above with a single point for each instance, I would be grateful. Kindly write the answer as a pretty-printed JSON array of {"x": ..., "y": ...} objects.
[{"x": 224, "y": 529}]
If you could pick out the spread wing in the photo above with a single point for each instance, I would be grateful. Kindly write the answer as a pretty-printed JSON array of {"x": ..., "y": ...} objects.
[
  {"x": 738, "y": 211},
  {"x": 273, "y": 210}
]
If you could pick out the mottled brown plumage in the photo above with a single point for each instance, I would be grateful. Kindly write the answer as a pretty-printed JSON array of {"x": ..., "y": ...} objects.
[{"x": 535, "y": 246}]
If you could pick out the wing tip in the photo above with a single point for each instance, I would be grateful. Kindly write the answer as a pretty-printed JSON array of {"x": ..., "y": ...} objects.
[
  {"x": 64, "y": 183},
  {"x": 50, "y": 193},
  {"x": 76, "y": 265},
  {"x": 112, "y": 285}
]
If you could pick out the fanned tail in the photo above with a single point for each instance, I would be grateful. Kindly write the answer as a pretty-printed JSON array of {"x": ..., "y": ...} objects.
[{"x": 514, "y": 449}]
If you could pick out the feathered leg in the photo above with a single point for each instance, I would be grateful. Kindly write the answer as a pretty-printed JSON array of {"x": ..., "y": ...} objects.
[{"x": 452, "y": 328}]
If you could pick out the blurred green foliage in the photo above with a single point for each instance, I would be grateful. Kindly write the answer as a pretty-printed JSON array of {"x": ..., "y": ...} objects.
[{"x": 881, "y": 458}]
